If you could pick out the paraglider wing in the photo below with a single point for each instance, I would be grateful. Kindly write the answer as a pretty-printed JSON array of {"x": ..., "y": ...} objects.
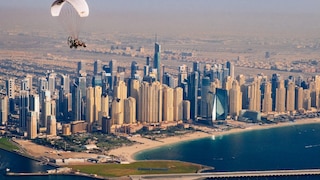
[
  {"x": 80, "y": 6},
  {"x": 71, "y": 14}
]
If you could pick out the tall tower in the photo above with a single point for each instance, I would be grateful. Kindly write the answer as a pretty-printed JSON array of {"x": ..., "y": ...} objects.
[
  {"x": 23, "y": 108},
  {"x": 4, "y": 101},
  {"x": 193, "y": 82},
  {"x": 35, "y": 106},
  {"x": 90, "y": 105},
  {"x": 205, "y": 110},
  {"x": 267, "y": 100},
  {"x": 52, "y": 125},
  {"x": 230, "y": 66},
  {"x": 290, "y": 96},
  {"x": 97, "y": 67},
  {"x": 117, "y": 109},
  {"x": 167, "y": 104},
  {"x": 157, "y": 60},
  {"x": 97, "y": 102},
  {"x": 32, "y": 125},
  {"x": 46, "y": 109},
  {"x": 274, "y": 85},
  {"x": 306, "y": 99},
  {"x": 177, "y": 104},
  {"x": 10, "y": 86},
  {"x": 298, "y": 98},
  {"x": 104, "y": 107},
  {"x": 235, "y": 99},
  {"x": 130, "y": 110},
  {"x": 280, "y": 97}
]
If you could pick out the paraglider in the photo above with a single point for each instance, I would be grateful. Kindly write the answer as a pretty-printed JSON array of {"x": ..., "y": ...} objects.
[{"x": 71, "y": 13}]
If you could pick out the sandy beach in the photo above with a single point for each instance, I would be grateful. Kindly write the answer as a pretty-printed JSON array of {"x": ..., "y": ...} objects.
[{"x": 127, "y": 153}]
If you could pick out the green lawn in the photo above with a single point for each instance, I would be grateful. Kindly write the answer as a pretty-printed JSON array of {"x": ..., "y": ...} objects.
[
  {"x": 7, "y": 145},
  {"x": 137, "y": 168}
]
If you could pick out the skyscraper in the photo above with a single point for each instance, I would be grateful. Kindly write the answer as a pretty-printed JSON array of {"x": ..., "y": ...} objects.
[
  {"x": 32, "y": 125},
  {"x": 52, "y": 125},
  {"x": 220, "y": 105},
  {"x": 167, "y": 103},
  {"x": 230, "y": 66},
  {"x": 235, "y": 99},
  {"x": 10, "y": 86},
  {"x": 4, "y": 101},
  {"x": 267, "y": 100},
  {"x": 157, "y": 60},
  {"x": 290, "y": 106},
  {"x": 193, "y": 82},
  {"x": 298, "y": 98},
  {"x": 130, "y": 110},
  {"x": 274, "y": 85},
  {"x": 178, "y": 104},
  {"x": 206, "y": 98},
  {"x": 97, "y": 67},
  {"x": 97, "y": 102},
  {"x": 280, "y": 97},
  {"x": 90, "y": 105},
  {"x": 23, "y": 108}
]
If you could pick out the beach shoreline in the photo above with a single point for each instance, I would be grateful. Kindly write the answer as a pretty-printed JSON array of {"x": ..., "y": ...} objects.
[{"x": 128, "y": 153}]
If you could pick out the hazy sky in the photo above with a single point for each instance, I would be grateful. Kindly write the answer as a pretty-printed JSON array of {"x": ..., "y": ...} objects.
[{"x": 247, "y": 16}]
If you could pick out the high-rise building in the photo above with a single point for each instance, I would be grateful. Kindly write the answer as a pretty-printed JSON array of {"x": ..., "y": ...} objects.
[
  {"x": 298, "y": 98},
  {"x": 130, "y": 110},
  {"x": 10, "y": 87},
  {"x": 290, "y": 97},
  {"x": 97, "y": 67},
  {"x": 117, "y": 111},
  {"x": 97, "y": 102},
  {"x": 4, "y": 101},
  {"x": 157, "y": 60},
  {"x": 106, "y": 124},
  {"x": 230, "y": 66},
  {"x": 134, "y": 69},
  {"x": 65, "y": 83},
  {"x": 183, "y": 75},
  {"x": 235, "y": 99},
  {"x": 193, "y": 84},
  {"x": 25, "y": 84},
  {"x": 52, "y": 83},
  {"x": 267, "y": 100},
  {"x": 32, "y": 125},
  {"x": 52, "y": 125},
  {"x": 81, "y": 67},
  {"x": 150, "y": 102},
  {"x": 46, "y": 109},
  {"x": 90, "y": 105},
  {"x": 178, "y": 104},
  {"x": 274, "y": 85},
  {"x": 206, "y": 99},
  {"x": 254, "y": 95},
  {"x": 76, "y": 103},
  {"x": 220, "y": 105},
  {"x": 104, "y": 107},
  {"x": 306, "y": 99},
  {"x": 280, "y": 97},
  {"x": 167, "y": 103},
  {"x": 35, "y": 106},
  {"x": 186, "y": 110},
  {"x": 23, "y": 108}
]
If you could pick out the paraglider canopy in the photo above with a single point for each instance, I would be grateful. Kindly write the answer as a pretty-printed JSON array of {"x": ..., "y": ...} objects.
[
  {"x": 80, "y": 6},
  {"x": 71, "y": 13}
]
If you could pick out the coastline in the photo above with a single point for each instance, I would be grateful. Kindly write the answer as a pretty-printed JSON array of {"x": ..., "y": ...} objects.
[{"x": 127, "y": 153}]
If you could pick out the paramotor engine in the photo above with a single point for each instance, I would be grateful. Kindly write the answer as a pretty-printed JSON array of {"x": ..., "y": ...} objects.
[{"x": 71, "y": 13}]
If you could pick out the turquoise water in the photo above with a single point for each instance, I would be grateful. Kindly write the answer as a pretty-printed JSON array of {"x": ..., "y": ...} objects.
[{"x": 292, "y": 147}]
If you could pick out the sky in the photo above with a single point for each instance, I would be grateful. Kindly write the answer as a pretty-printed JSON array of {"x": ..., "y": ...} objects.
[{"x": 247, "y": 16}]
